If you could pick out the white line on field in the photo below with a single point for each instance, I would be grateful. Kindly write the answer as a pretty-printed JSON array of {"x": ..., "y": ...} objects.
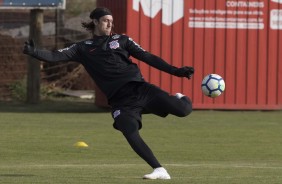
[
  {"x": 264, "y": 166},
  {"x": 250, "y": 166}
]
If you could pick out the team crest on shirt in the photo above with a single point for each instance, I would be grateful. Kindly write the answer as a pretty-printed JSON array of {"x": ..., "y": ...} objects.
[{"x": 114, "y": 44}]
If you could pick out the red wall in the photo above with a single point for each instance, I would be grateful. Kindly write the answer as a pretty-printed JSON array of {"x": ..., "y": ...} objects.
[{"x": 241, "y": 42}]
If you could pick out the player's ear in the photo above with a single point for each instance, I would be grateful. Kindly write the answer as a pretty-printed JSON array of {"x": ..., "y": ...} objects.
[{"x": 95, "y": 21}]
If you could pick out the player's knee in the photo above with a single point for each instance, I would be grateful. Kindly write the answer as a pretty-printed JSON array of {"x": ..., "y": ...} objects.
[
  {"x": 131, "y": 128},
  {"x": 186, "y": 109},
  {"x": 127, "y": 125}
]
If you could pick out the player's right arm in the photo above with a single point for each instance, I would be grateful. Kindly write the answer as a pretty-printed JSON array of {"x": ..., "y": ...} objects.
[{"x": 66, "y": 54}]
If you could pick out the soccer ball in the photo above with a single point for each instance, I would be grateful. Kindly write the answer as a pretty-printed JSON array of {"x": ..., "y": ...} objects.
[{"x": 213, "y": 85}]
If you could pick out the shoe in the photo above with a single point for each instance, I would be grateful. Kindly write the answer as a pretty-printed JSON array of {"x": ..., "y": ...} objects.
[
  {"x": 158, "y": 173},
  {"x": 179, "y": 95}
]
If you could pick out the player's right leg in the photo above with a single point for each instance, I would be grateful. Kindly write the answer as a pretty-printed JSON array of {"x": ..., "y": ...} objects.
[{"x": 163, "y": 104}]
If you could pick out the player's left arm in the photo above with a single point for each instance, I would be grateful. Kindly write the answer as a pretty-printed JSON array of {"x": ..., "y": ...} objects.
[{"x": 139, "y": 53}]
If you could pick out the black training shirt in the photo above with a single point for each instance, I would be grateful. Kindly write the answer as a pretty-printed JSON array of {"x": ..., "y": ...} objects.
[{"x": 106, "y": 59}]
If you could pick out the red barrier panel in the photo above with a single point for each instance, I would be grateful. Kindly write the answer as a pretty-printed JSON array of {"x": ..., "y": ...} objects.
[{"x": 239, "y": 40}]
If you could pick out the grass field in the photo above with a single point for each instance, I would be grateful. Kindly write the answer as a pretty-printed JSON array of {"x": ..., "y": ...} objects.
[{"x": 208, "y": 147}]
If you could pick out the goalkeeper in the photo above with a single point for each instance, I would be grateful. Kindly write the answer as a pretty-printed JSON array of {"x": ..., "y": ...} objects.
[{"x": 106, "y": 58}]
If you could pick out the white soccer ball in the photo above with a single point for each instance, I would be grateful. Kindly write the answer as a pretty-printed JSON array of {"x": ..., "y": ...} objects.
[{"x": 213, "y": 85}]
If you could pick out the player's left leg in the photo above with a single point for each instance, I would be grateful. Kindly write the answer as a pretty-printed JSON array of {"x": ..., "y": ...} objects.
[
  {"x": 129, "y": 125},
  {"x": 130, "y": 129}
]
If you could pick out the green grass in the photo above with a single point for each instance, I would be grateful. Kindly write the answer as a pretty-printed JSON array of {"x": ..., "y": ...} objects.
[{"x": 208, "y": 147}]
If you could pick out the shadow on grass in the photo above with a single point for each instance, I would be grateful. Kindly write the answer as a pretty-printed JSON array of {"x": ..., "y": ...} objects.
[{"x": 52, "y": 106}]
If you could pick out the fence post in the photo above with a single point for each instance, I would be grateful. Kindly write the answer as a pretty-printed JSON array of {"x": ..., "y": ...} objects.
[
  {"x": 33, "y": 76},
  {"x": 59, "y": 27}
]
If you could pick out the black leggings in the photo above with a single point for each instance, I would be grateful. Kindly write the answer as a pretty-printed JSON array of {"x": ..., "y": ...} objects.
[
  {"x": 129, "y": 125},
  {"x": 141, "y": 148},
  {"x": 165, "y": 104}
]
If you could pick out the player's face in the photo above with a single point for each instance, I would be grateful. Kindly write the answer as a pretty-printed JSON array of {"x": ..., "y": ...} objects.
[{"x": 104, "y": 25}]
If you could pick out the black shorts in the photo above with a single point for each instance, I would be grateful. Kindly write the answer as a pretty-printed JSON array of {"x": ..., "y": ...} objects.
[{"x": 136, "y": 98}]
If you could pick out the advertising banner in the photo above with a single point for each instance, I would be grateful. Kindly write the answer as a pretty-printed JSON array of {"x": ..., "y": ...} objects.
[{"x": 230, "y": 14}]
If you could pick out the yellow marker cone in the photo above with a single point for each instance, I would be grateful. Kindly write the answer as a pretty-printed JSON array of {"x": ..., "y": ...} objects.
[{"x": 81, "y": 144}]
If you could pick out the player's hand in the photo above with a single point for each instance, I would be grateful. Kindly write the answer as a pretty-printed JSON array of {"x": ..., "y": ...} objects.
[
  {"x": 186, "y": 71},
  {"x": 29, "y": 47}
]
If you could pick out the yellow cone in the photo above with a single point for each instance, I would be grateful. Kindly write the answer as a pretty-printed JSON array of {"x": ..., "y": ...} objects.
[{"x": 81, "y": 144}]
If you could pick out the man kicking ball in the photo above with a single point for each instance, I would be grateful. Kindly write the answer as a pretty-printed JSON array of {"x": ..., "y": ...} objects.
[{"x": 106, "y": 58}]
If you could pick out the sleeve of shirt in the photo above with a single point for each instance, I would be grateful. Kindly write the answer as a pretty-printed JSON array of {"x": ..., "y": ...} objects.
[
  {"x": 139, "y": 53},
  {"x": 67, "y": 54}
]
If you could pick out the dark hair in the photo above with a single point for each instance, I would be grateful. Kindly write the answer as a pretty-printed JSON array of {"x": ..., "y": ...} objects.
[
  {"x": 89, "y": 26},
  {"x": 97, "y": 13}
]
